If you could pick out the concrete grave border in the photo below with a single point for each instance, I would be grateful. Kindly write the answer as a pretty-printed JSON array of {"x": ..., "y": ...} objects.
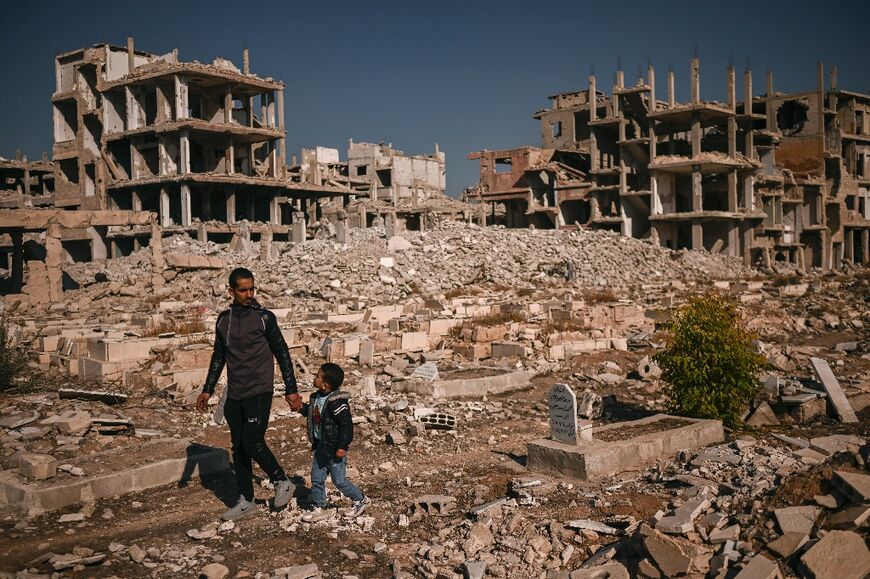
[
  {"x": 459, "y": 387},
  {"x": 596, "y": 459}
]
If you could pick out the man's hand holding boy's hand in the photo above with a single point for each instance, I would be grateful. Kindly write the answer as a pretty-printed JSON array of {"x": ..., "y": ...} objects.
[
  {"x": 295, "y": 401},
  {"x": 340, "y": 453},
  {"x": 202, "y": 401}
]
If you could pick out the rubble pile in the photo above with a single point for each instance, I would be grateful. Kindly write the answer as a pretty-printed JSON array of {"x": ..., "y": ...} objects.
[{"x": 452, "y": 256}]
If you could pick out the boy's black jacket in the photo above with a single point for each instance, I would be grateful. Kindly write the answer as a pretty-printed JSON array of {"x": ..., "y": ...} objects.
[{"x": 336, "y": 423}]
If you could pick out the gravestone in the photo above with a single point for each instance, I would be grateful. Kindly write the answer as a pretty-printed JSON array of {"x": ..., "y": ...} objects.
[
  {"x": 427, "y": 371},
  {"x": 563, "y": 414}
]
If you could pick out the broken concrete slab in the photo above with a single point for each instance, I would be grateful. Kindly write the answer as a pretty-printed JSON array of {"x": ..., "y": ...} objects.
[
  {"x": 683, "y": 519},
  {"x": 838, "y": 555},
  {"x": 612, "y": 570},
  {"x": 835, "y": 393},
  {"x": 797, "y": 519},
  {"x": 74, "y": 422},
  {"x": 762, "y": 416},
  {"x": 590, "y": 525},
  {"x": 497, "y": 382},
  {"x": 853, "y": 485},
  {"x": 37, "y": 466},
  {"x": 605, "y": 457},
  {"x": 760, "y": 567},
  {"x": 788, "y": 544},
  {"x": 850, "y": 518}
]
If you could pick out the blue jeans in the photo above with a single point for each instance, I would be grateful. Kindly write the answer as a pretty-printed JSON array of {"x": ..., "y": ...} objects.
[{"x": 336, "y": 467}]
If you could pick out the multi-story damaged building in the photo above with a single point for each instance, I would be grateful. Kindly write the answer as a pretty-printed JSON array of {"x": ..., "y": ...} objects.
[
  {"x": 771, "y": 177},
  {"x": 187, "y": 141},
  {"x": 384, "y": 181},
  {"x": 25, "y": 183}
]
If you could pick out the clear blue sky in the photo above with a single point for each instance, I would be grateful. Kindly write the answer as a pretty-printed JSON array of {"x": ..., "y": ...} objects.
[{"x": 467, "y": 75}]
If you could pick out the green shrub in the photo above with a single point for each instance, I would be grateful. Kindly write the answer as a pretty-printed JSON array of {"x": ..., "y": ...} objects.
[
  {"x": 13, "y": 358},
  {"x": 708, "y": 360}
]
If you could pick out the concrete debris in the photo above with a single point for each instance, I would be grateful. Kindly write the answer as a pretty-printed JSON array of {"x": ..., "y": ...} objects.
[{"x": 838, "y": 555}]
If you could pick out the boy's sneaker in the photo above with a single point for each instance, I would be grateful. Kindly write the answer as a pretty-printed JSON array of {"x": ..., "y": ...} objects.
[
  {"x": 317, "y": 514},
  {"x": 283, "y": 493},
  {"x": 359, "y": 507},
  {"x": 243, "y": 508}
]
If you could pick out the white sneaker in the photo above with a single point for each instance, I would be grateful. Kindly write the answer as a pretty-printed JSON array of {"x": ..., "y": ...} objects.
[
  {"x": 318, "y": 514},
  {"x": 243, "y": 508},
  {"x": 283, "y": 493},
  {"x": 359, "y": 507}
]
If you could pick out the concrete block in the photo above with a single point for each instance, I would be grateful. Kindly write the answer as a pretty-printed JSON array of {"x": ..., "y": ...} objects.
[
  {"x": 489, "y": 333},
  {"x": 474, "y": 352},
  {"x": 366, "y": 354},
  {"x": 74, "y": 422},
  {"x": 441, "y": 327},
  {"x": 37, "y": 466},
  {"x": 452, "y": 388},
  {"x": 839, "y": 554},
  {"x": 119, "y": 350},
  {"x": 90, "y": 368},
  {"x": 760, "y": 567},
  {"x": 603, "y": 458},
  {"x": 415, "y": 341},
  {"x": 509, "y": 350}
]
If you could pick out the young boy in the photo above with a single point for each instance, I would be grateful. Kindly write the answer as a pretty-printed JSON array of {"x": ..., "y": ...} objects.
[{"x": 330, "y": 431}]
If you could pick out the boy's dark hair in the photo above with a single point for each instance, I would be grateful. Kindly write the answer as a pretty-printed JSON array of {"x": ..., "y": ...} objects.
[
  {"x": 239, "y": 273},
  {"x": 332, "y": 375}
]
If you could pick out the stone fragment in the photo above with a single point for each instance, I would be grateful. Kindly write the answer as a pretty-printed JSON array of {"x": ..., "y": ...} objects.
[
  {"x": 760, "y": 567},
  {"x": 74, "y": 422},
  {"x": 838, "y": 555},
  {"x": 855, "y": 486},
  {"x": 796, "y": 519},
  {"x": 137, "y": 554},
  {"x": 683, "y": 519},
  {"x": 667, "y": 553},
  {"x": 763, "y": 416},
  {"x": 788, "y": 544},
  {"x": 590, "y": 405},
  {"x": 590, "y": 525},
  {"x": 214, "y": 571},
  {"x": 829, "y": 501},
  {"x": 397, "y": 243},
  {"x": 473, "y": 569},
  {"x": 731, "y": 533},
  {"x": 479, "y": 538},
  {"x": 612, "y": 570},
  {"x": 71, "y": 518},
  {"x": 835, "y": 393},
  {"x": 18, "y": 420},
  {"x": 309, "y": 571},
  {"x": 37, "y": 466},
  {"x": 851, "y": 518},
  {"x": 396, "y": 438},
  {"x": 646, "y": 569}
]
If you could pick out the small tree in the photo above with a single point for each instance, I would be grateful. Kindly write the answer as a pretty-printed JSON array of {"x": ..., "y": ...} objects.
[{"x": 708, "y": 361}]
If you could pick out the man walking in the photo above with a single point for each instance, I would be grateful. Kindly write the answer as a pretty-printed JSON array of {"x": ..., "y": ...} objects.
[{"x": 247, "y": 337}]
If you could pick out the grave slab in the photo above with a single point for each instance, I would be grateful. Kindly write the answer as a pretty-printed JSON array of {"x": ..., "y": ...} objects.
[
  {"x": 499, "y": 381},
  {"x": 835, "y": 393},
  {"x": 596, "y": 459}
]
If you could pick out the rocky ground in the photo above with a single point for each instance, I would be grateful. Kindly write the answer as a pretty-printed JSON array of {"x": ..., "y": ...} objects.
[{"x": 459, "y": 502}]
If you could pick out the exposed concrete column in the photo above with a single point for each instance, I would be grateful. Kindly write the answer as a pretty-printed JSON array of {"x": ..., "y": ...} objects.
[
  {"x": 282, "y": 153},
  {"x": 734, "y": 239},
  {"x": 99, "y": 251},
  {"x": 136, "y": 201},
  {"x": 274, "y": 211},
  {"x": 749, "y": 144},
  {"x": 184, "y": 152},
  {"x": 865, "y": 246},
  {"x": 697, "y": 235},
  {"x": 696, "y": 134},
  {"x": 593, "y": 99},
  {"x": 732, "y": 190},
  {"x": 131, "y": 56},
  {"x": 158, "y": 262},
  {"x": 697, "y": 189},
  {"x": 230, "y": 157},
  {"x": 249, "y": 102},
  {"x": 695, "y": 75},
  {"x": 181, "y": 97},
  {"x": 297, "y": 229},
  {"x": 53, "y": 261},
  {"x": 251, "y": 206},
  {"x": 163, "y": 209},
  {"x": 231, "y": 206},
  {"x": 849, "y": 245},
  {"x": 26, "y": 181},
  {"x": 264, "y": 113},
  {"x": 228, "y": 107},
  {"x": 17, "y": 260},
  {"x": 671, "y": 96},
  {"x": 186, "y": 216}
]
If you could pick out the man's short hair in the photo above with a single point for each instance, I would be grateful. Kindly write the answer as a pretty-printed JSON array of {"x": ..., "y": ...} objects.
[
  {"x": 239, "y": 273},
  {"x": 333, "y": 375}
]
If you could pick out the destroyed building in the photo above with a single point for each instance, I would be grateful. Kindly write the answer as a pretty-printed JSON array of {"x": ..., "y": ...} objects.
[
  {"x": 384, "y": 181},
  {"x": 193, "y": 143},
  {"x": 25, "y": 183},
  {"x": 776, "y": 177}
]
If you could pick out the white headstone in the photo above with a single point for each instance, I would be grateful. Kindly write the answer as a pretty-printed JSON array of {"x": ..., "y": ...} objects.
[
  {"x": 427, "y": 371},
  {"x": 563, "y": 414}
]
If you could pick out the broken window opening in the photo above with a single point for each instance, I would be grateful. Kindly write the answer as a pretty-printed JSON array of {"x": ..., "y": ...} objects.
[
  {"x": 504, "y": 165},
  {"x": 791, "y": 117},
  {"x": 362, "y": 170},
  {"x": 557, "y": 129}
]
